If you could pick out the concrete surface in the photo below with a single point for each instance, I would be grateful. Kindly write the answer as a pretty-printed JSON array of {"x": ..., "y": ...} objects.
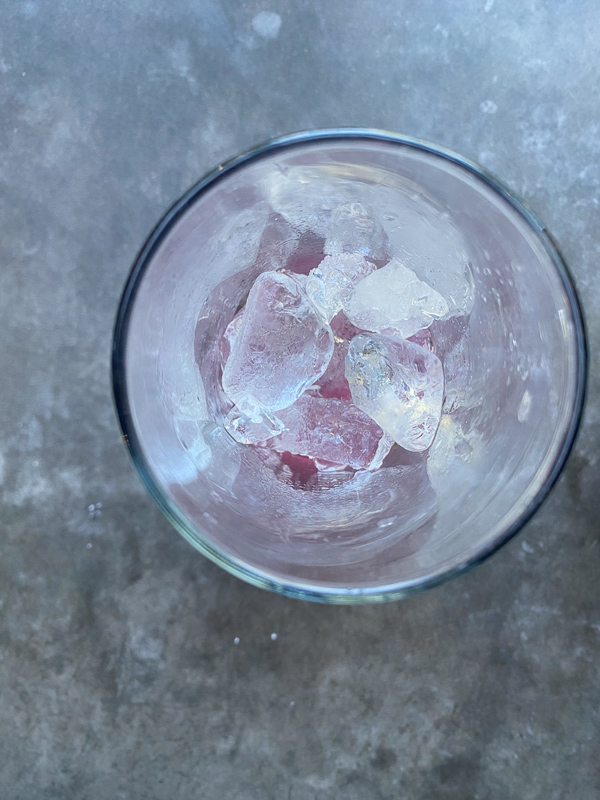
[{"x": 119, "y": 675}]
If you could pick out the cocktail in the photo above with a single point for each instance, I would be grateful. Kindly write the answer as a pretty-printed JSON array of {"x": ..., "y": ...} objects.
[{"x": 349, "y": 365}]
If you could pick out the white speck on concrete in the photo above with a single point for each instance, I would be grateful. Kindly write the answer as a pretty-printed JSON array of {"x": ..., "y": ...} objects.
[
  {"x": 145, "y": 648},
  {"x": 292, "y": 704},
  {"x": 267, "y": 24},
  {"x": 182, "y": 61},
  {"x": 527, "y": 547},
  {"x": 489, "y": 4},
  {"x": 523, "y": 636},
  {"x": 94, "y": 510},
  {"x": 236, "y": 640},
  {"x": 488, "y": 107},
  {"x": 88, "y": 546},
  {"x": 273, "y": 637}
]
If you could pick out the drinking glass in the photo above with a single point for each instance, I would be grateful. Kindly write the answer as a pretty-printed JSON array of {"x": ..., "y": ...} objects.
[{"x": 515, "y": 369}]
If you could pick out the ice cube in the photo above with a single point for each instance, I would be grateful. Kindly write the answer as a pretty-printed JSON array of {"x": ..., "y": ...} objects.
[
  {"x": 204, "y": 447},
  {"x": 231, "y": 331},
  {"x": 247, "y": 431},
  {"x": 425, "y": 239},
  {"x": 304, "y": 197},
  {"x": 453, "y": 458},
  {"x": 282, "y": 347},
  {"x": 311, "y": 200},
  {"x": 353, "y": 228},
  {"x": 332, "y": 382},
  {"x": 251, "y": 244},
  {"x": 334, "y": 431},
  {"x": 399, "y": 385},
  {"x": 278, "y": 243},
  {"x": 394, "y": 301},
  {"x": 331, "y": 285}
]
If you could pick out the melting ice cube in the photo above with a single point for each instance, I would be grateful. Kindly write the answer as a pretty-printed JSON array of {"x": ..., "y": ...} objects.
[
  {"x": 455, "y": 458},
  {"x": 425, "y": 239},
  {"x": 393, "y": 300},
  {"x": 282, "y": 347},
  {"x": 331, "y": 285},
  {"x": 311, "y": 201},
  {"x": 231, "y": 331},
  {"x": 398, "y": 384},
  {"x": 331, "y": 430},
  {"x": 354, "y": 229}
]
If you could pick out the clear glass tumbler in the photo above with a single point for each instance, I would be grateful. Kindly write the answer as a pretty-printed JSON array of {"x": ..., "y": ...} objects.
[{"x": 515, "y": 370}]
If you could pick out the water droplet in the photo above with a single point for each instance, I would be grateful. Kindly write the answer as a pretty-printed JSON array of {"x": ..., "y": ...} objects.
[
  {"x": 273, "y": 637},
  {"x": 236, "y": 640}
]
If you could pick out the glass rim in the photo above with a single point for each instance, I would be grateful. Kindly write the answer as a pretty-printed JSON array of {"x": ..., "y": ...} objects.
[{"x": 263, "y": 579}]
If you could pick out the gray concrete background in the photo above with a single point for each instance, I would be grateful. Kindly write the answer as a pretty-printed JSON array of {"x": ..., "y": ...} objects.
[{"x": 119, "y": 675}]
